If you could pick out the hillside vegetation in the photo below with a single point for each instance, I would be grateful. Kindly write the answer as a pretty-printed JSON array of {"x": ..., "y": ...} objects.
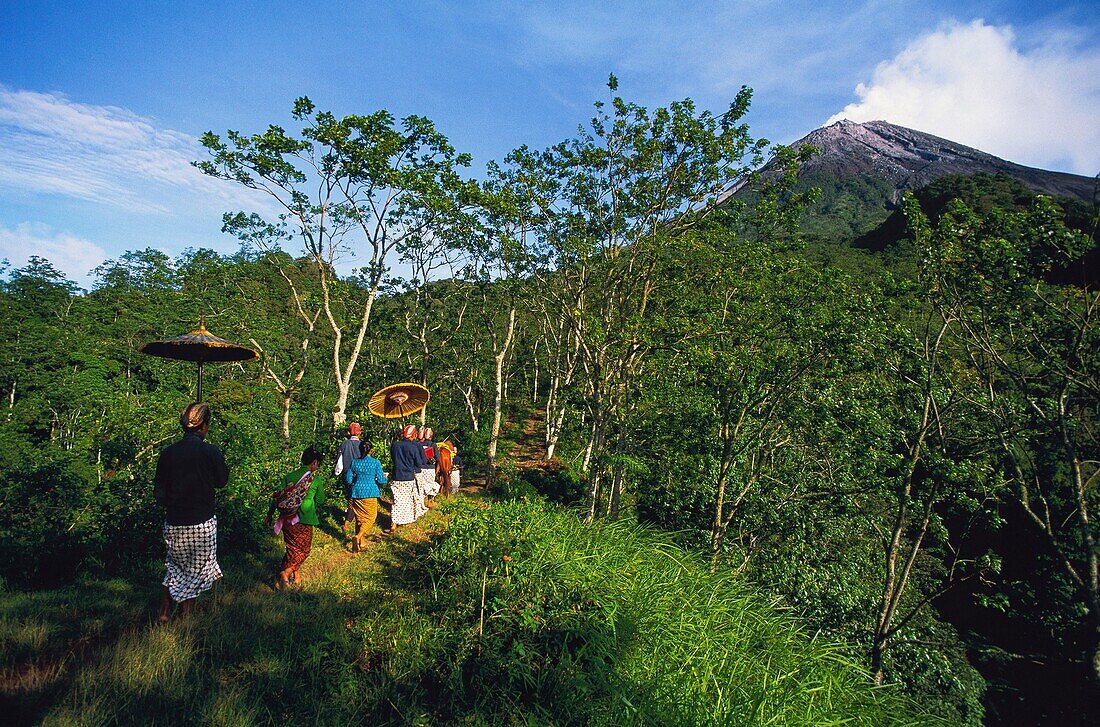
[
  {"x": 509, "y": 613},
  {"x": 899, "y": 445}
]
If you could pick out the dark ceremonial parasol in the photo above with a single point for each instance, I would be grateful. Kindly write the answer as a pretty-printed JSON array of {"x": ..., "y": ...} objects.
[
  {"x": 200, "y": 346},
  {"x": 398, "y": 400}
]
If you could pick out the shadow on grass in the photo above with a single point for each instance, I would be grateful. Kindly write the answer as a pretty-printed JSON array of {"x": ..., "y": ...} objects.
[
  {"x": 48, "y": 638},
  {"x": 246, "y": 656},
  {"x": 333, "y": 524},
  {"x": 43, "y": 632}
]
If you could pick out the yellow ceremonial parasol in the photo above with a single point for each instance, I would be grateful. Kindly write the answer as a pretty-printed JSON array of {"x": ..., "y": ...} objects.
[
  {"x": 200, "y": 346},
  {"x": 398, "y": 400}
]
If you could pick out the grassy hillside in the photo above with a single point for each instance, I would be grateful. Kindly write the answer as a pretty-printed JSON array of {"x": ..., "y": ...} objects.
[{"x": 490, "y": 613}]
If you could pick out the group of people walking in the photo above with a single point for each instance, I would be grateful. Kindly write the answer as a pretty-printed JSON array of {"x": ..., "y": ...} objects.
[
  {"x": 190, "y": 470},
  {"x": 422, "y": 470}
]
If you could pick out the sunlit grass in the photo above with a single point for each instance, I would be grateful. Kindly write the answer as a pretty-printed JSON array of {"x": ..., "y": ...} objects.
[
  {"x": 613, "y": 622},
  {"x": 485, "y": 614}
]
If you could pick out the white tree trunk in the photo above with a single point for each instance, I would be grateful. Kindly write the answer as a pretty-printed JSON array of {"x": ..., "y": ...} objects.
[{"x": 499, "y": 357}]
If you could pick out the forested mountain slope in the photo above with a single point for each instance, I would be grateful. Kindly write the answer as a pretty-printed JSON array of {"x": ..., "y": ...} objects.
[{"x": 864, "y": 168}]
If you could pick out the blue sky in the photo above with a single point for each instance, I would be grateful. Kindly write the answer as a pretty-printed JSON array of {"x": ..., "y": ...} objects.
[{"x": 101, "y": 103}]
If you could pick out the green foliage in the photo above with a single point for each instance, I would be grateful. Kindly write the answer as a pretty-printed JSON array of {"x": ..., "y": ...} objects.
[
  {"x": 886, "y": 438},
  {"x": 983, "y": 193},
  {"x": 515, "y": 614},
  {"x": 1032, "y": 351},
  {"x": 556, "y": 482},
  {"x": 551, "y": 480},
  {"x": 614, "y": 623}
]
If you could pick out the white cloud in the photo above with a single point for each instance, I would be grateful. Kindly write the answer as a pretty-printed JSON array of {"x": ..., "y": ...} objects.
[
  {"x": 72, "y": 255},
  {"x": 975, "y": 85},
  {"x": 106, "y": 155}
]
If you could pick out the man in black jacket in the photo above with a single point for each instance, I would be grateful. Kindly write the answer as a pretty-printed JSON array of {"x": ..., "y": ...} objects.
[{"x": 187, "y": 474}]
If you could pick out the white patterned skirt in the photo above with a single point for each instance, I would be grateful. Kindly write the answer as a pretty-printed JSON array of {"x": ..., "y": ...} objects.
[
  {"x": 191, "y": 559},
  {"x": 405, "y": 493},
  {"x": 429, "y": 485},
  {"x": 455, "y": 480},
  {"x": 420, "y": 507}
]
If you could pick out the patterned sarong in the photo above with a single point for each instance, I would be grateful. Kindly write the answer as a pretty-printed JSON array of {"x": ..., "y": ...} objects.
[
  {"x": 420, "y": 505},
  {"x": 456, "y": 480},
  {"x": 299, "y": 541},
  {"x": 429, "y": 486},
  {"x": 404, "y": 509},
  {"x": 366, "y": 512},
  {"x": 191, "y": 559}
]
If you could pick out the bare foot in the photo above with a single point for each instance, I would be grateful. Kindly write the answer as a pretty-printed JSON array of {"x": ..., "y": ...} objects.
[{"x": 165, "y": 606}]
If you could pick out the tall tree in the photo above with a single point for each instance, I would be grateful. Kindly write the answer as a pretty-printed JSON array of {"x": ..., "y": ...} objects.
[
  {"x": 359, "y": 186},
  {"x": 514, "y": 203},
  {"x": 1035, "y": 349},
  {"x": 286, "y": 369},
  {"x": 627, "y": 183}
]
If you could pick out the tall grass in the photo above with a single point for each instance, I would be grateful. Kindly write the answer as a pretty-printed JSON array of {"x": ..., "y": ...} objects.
[
  {"x": 491, "y": 614},
  {"x": 43, "y": 633},
  {"x": 611, "y": 623}
]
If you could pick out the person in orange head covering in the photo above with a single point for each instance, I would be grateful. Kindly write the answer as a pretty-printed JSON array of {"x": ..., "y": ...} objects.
[{"x": 348, "y": 453}]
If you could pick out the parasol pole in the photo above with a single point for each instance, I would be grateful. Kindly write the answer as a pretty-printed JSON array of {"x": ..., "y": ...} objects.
[{"x": 202, "y": 328}]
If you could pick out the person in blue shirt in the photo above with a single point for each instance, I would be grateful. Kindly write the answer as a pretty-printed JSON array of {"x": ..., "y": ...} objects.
[
  {"x": 364, "y": 476},
  {"x": 407, "y": 458}
]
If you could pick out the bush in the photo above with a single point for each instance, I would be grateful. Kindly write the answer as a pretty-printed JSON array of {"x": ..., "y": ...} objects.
[{"x": 556, "y": 482}]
